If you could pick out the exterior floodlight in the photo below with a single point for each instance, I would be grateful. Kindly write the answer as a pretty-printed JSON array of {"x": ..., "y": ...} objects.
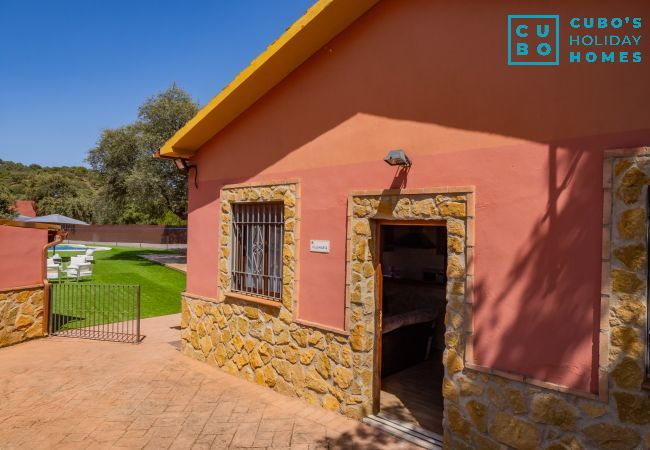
[
  {"x": 397, "y": 158},
  {"x": 182, "y": 164}
]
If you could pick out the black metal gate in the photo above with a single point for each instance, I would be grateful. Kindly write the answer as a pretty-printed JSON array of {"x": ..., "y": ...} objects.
[{"x": 107, "y": 312}]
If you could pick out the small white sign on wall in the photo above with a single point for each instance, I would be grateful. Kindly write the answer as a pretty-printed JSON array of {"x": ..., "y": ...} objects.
[{"x": 319, "y": 246}]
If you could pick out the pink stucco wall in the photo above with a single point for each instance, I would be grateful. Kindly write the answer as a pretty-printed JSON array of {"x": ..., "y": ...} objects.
[
  {"x": 21, "y": 256},
  {"x": 430, "y": 77}
]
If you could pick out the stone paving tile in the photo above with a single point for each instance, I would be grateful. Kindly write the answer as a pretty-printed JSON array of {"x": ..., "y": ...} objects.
[{"x": 73, "y": 394}]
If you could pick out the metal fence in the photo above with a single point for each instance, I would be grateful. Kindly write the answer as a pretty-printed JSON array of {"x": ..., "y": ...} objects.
[{"x": 107, "y": 312}]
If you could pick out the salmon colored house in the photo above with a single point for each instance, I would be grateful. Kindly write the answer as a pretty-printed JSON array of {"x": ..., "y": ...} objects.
[{"x": 392, "y": 222}]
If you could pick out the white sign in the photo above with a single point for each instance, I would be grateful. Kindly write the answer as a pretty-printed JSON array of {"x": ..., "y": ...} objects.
[{"x": 319, "y": 246}]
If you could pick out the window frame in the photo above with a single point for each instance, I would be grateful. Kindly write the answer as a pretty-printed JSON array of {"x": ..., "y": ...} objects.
[{"x": 243, "y": 223}]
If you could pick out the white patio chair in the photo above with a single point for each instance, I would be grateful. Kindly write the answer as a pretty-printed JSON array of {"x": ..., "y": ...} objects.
[
  {"x": 78, "y": 259},
  {"x": 72, "y": 271},
  {"x": 56, "y": 258},
  {"x": 53, "y": 272},
  {"x": 89, "y": 255},
  {"x": 85, "y": 270}
]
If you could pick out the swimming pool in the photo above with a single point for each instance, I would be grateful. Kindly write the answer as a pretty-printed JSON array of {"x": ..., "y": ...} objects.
[{"x": 77, "y": 248}]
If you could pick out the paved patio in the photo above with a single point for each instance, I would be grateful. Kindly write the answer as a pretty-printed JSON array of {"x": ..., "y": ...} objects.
[{"x": 68, "y": 393}]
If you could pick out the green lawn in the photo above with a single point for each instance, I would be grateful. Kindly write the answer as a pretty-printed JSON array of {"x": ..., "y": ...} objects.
[{"x": 160, "y": 286}]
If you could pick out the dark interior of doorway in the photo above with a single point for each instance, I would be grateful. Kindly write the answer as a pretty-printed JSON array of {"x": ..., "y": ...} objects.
[{"x": 414, "y": 261}]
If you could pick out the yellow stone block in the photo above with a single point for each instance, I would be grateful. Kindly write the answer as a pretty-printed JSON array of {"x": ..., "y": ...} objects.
[
  {"x": 627, "y": 339},
  {"x": 23, "y": 321},
  {"x": 343, "y": 377},
  {"x": 330, "y": 402},
  {"x": 452, "y": 209},
  {"x": 251, "y": 312},
  {"x": 625, "y": 282},
  {"x": 270, "y": 378},
  {"x": 307, "y": 356},
  {"x": 315, "y": 382},
  {"x": 454, "y": 361},
  {"x": 631, "y": 224},
  {"x": 238, "y": 342},
  {"x": 455, "y": 267},
  {"x": 323, "y": 365}
]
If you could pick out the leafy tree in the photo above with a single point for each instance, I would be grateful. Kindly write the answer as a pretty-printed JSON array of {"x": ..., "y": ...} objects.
[
  {"x": 137, "y": 188},
  {"x": 57, "y": 194},
  {"x": 6, "y": 204}
]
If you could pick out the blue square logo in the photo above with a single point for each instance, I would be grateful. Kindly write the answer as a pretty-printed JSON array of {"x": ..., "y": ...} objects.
[{"x": 533, "y": 40}]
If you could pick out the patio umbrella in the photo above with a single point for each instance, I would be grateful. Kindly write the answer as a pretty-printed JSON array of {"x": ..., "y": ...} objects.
[{"x": 57, "y": 219}]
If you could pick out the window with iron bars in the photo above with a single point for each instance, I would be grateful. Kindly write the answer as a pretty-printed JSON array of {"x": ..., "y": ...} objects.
[{"x": 257, "y": 242}]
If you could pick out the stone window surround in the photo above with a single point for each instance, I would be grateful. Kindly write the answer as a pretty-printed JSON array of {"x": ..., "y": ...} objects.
[
  {"x": 225, "y": 247},
  {"x": 223, "y": 294},
  {"x": 610, "y": 157}
]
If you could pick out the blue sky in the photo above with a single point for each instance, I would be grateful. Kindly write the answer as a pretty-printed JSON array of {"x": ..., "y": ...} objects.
[{"x": 70, "y": 68}]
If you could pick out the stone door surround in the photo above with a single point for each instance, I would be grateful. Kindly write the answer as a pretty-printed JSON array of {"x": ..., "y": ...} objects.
[{"x": 453, "y": 206}]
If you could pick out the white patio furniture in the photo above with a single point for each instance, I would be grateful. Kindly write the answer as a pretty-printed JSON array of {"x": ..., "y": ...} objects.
[
  {"x": 78, "y": 270},
  {"x": 89, "y": 255},
  {"x": 72, "y": 272},
  {"x": 85, "y": 270},
  {"x": 78, "y": 259},
  {"x": 53, "y": 272},
  {"x": 56, "y": 258}
]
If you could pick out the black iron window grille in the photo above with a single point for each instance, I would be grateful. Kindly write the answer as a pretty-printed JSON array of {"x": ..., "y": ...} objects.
[{"x": 257, "y": 243}]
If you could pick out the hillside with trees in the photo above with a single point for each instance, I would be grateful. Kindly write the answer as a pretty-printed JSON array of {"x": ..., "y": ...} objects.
[
  {"x": 56, "y": 190},
  {"x": 124, "y": 184}
]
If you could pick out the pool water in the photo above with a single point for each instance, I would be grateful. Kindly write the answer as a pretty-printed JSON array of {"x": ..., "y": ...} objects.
[{"x": 77, "y": 248}]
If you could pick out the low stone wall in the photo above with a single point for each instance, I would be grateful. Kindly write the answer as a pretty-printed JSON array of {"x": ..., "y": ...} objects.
[
  {"x": 257, "y": 343},
  {"x": 21, "y": 315},
  {"x": 488, "y": 411}
]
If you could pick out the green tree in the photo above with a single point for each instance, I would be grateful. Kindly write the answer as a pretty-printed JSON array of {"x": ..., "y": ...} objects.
[
  {"x": 136, "y": 187},
  {"x": 6, "y": 204},
  {"x": 54, "y": 193}
]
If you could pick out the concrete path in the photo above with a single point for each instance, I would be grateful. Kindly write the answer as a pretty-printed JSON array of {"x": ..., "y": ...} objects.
[
  {"x": 173, "y": 261},
  {"x": 67, "y": 393}
]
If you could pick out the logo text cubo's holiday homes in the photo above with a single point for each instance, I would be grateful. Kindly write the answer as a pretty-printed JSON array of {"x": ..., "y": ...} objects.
[{"x": 535, "y": 40}]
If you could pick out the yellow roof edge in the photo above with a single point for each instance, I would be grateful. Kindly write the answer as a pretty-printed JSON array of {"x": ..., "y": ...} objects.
[{"x": 321, "y": 23}]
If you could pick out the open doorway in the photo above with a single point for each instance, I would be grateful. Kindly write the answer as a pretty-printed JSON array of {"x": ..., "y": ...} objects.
[{"x": 413, "y": 259}]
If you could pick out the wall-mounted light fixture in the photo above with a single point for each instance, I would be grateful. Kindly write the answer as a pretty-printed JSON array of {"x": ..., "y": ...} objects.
[
  {"x": 397, "y": 158},
  {"x": 182, "y": 164}
]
